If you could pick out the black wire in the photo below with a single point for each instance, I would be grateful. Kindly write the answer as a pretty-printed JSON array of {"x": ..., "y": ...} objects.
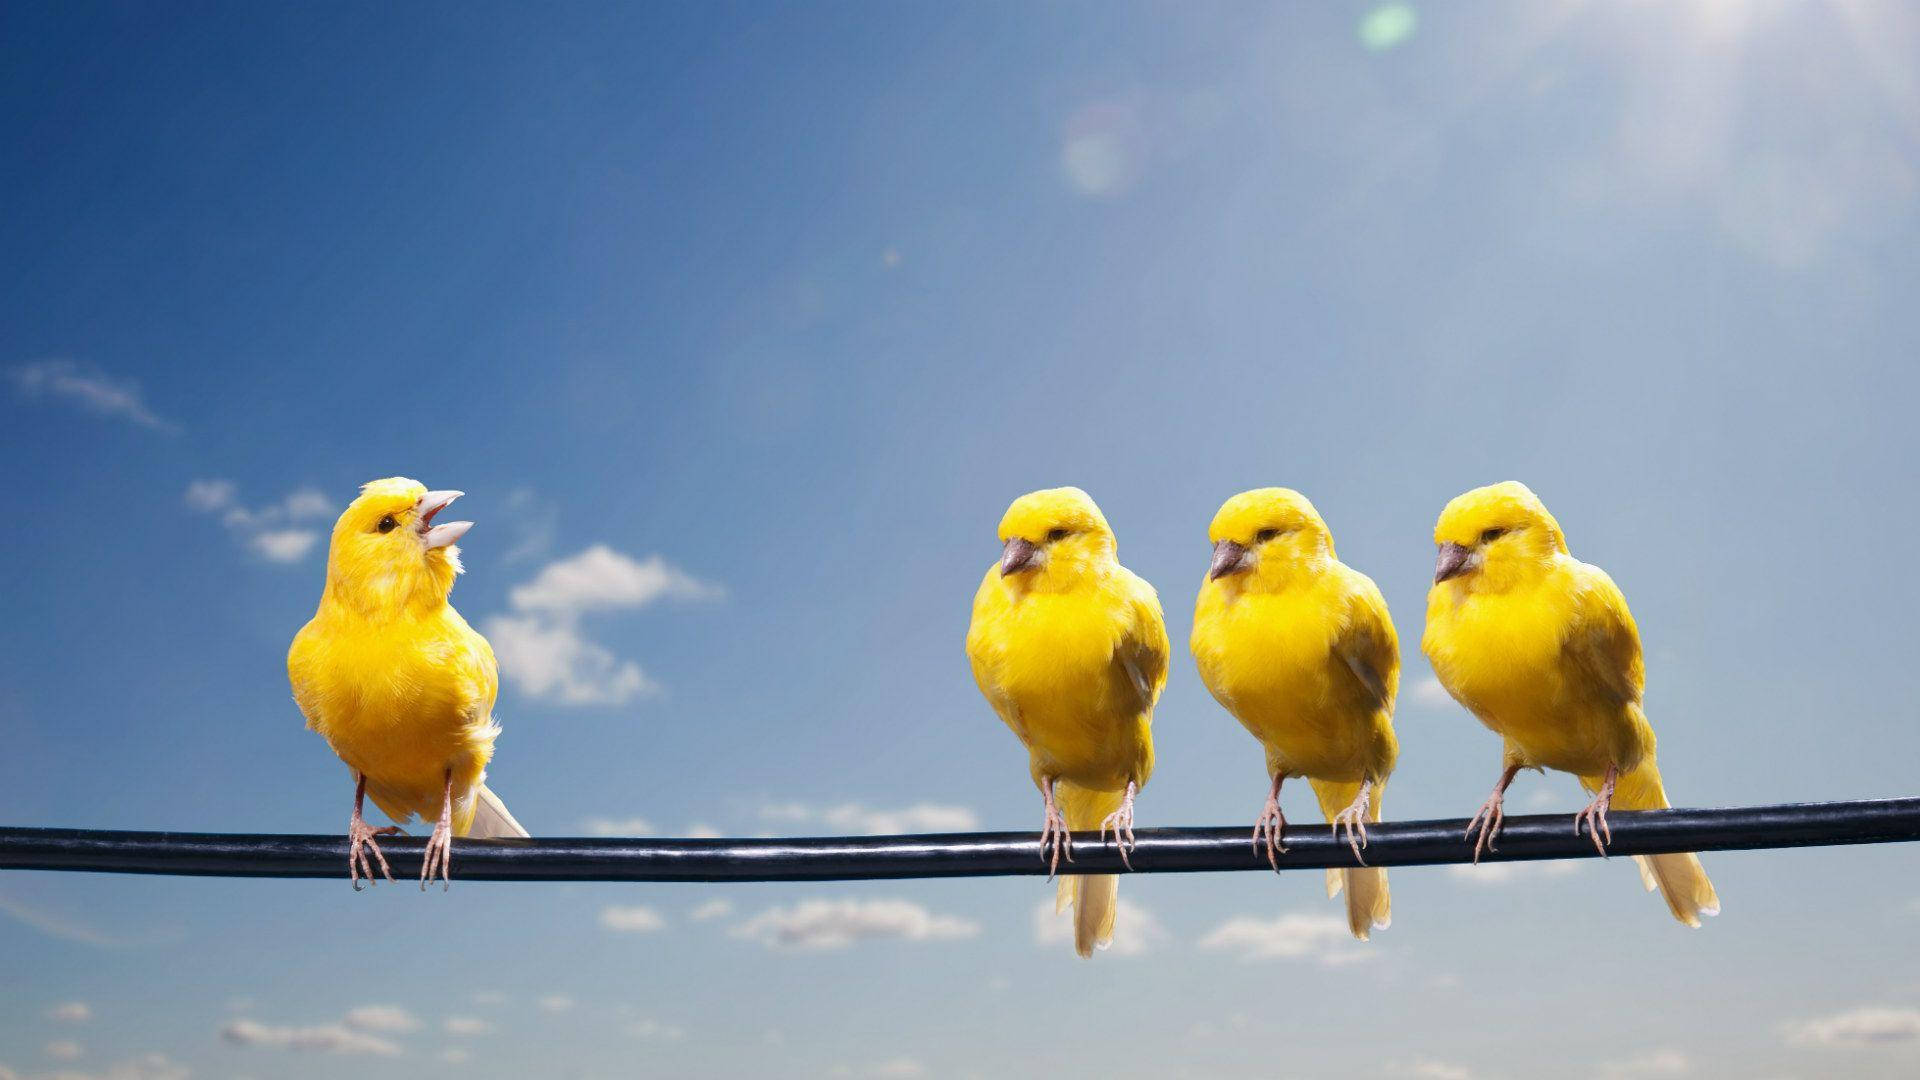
[{"x": 1404, "y": 843}]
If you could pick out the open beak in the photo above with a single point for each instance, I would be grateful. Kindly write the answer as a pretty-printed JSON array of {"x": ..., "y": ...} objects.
[
  {"x": 1451, "y": 563},
  {"x": 437, "y": 536},
  {"x": 1228, "y": 558},
  {"x": 1017, "y": 556}
]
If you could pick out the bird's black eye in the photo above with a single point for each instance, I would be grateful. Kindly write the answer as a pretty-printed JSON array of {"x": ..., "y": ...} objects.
[
  {"x": 1265, "y": 535},
  {"x": 1491, "y": 535},
  {"x": 387, "y": 524},
  {"x": 1054, "y": 535}
]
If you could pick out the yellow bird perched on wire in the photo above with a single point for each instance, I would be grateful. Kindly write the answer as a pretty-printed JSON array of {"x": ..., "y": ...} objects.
[
  {"x": 1300, "y": 648},
  {"x": 1541, "y": 647},
  {"x": 1071, "y": 650},
  {"x": 397, "y": 682}
]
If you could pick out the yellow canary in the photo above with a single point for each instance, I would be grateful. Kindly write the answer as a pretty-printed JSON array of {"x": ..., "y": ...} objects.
[
  {"x": 1071, "y": 650},
  {"x": 396, "y": 681},
  {"x": 1541, "y": 647},
  {"x": 1300, "y": 648}
]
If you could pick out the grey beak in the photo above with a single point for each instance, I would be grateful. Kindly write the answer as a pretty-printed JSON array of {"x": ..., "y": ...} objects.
[
  {"x": 1017, "y": 556},
  {"x": 1228, "y": 558},
  {"x": 1452, "y": 562}
]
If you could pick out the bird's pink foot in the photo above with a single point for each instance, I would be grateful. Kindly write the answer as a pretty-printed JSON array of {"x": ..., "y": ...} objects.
[
  {"x": 1354, "y": 819},
  {"x": 1487, "y": 820},
  {"x": 359, "y": 845},
  {"x": 1121, "y": 821},
  {"x": 1055, "y": 841},
  {"x": 1594, "y": 817},
  {"x": 437, "y": 857},
  {"x": 1271, "y": 827}
]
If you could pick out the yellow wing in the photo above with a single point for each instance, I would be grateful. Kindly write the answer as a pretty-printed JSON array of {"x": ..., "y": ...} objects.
[
  {"x": 1143, "y": 649},
  {"x": 1369, "y": 646},
  {"x": 1602, "y": 646}
]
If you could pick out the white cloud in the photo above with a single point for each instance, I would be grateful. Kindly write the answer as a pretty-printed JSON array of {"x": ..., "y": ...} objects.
[
  {"x": 1135, "y": 929},
  {"x": 90, "y": 390},
  {"x": 1867, "y": 1026},
  {"x": 700, "y": 830},
  {"x": 318, "y": 1038},
  {"x": 900, "y": 1068},
  {"x": 1652, "y": 1063},
  {"x": 382, "y": 1018},
  {"x": 551, "y": 661},
  {"x": 72, "y": 1012},
  {"x": 64, "y": 1050},
  {"x": 1294, "y": 936},
  {"x": 268, "y": 531},
  {"x": 542, "y": 648},
  {"x": 467, "y": 1025},
  {"x": 453, "y": 1055},
  {"x": 145, "y": 1067},
  {"x": 855, "y": 818},
  {"x": 283, "y": 545},
  {"x": 717, "y": 908},
  {"x": 1430, "y": 693},
  {"x": 555, "y": 1003},
  {"x": 1429, "y": 1069},
  {"x": 1508, "y": 873},
  {"x": 836, "y": 924},
  {"x": 631, "y": 920},
  {"x": 628, "y": 826},
  {"x": 656, "y": 1031},
  {"x": 602, "y": 579},
  {"x": 210, "y": 495}
]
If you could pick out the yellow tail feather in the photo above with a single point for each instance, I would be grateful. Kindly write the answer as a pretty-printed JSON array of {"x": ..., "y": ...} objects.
[
  {"x": 1681, "y": 879},
  {"x": 1093, "y": 897},
  {"x": 1369, "y": 906}
]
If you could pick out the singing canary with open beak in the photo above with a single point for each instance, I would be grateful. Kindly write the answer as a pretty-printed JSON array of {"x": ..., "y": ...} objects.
[
  {"x": 1300, "y": 648},
  {"x": 1070, "y": 648},
  {"x": 397, "y": 682},
  {"x": 1541, "y": 647}
]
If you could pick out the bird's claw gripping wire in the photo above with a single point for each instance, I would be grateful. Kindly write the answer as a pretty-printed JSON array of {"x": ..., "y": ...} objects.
[
  {"x": 1354, "y": 819},
  {"x": 1488, "y": 819},
  {"x": 1271, "y": 826},
  {"x": 1055, "y": 841},
  {"x": 1594, "y": 817},
  {"x": 359, "y": 842},
  {"x": 1121, "y": 821}
]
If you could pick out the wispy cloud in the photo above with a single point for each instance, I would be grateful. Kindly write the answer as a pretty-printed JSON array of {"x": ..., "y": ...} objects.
[
  {"x": 64, "y": 1050},
  {"x": 466, "y": 1025},
  {"x": 1429, "y": 693},
  {"x": 281, "y": 531},
  {"x": 1651, "y": 1063},
  {"x": 71, "y": 1012},
  {"x": 855, "y": 818},
  {"x": 633, "y": 919},
  {"x": 1135, "y": 929},
  {"x": 1318, "y": 937},
  {"x": 1429, "y": 1069},
  {"x": 899, "y": 1068},
  {"x": 67, "y": 927},
  {"x": 626, "y": 826},
  {"x": 656, "y": 1031},
  {"x": 1508, "y": 873},
  {"x": 88, "y": 389},
  {"x": 1871, "y": 1025},
  {"x": 555, "y": 1003},
  {"x": 154, "y": 1066},
  {"x": 717, "y": 908},
  {"x": 387, "y": 1019},
  {"x": 541, "y": 645},
  {"x": 836, "y": 924},
  {"x": 317, "y": 1038}
]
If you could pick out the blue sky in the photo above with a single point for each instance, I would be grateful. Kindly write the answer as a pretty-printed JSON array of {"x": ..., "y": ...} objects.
[{"x": 740, "y": 326}]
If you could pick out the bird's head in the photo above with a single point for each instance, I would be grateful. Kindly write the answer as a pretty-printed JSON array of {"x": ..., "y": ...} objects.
[
  {"x": 1494, "y": 537},
  {"x": 1052, "y": 539},
  {"x": 388, "y": 553},
  {"x": 1264, "y": 536}
]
